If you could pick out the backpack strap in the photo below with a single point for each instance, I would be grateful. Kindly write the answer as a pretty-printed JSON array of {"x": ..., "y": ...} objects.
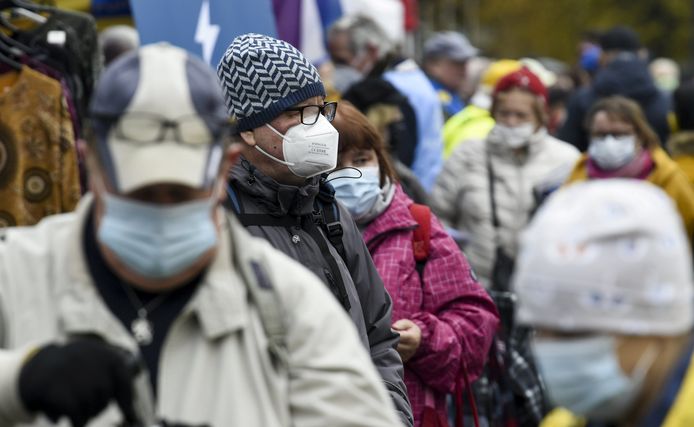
[
  {"x": 326, "y": 215},
  {"x": 421, "y": 237},
  {"x": 329, "y": 217},
  {"x": 263, "y": 295},
  {"x": 233, "y": 203},
  {"x": 336, "y": 283}
]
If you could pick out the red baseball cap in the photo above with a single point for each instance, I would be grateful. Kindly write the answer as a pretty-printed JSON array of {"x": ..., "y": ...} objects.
[{"x": 523, "y": 79}]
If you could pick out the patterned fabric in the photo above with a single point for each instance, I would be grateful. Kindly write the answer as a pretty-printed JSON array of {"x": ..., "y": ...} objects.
[
  {"x": 510, "y": 391},
  {"x": 262, "y": 76},
  {"x": 457, "y": 318},
  {"x": 38, "y": 159},
  {"x": 79, "y": 59},
  {"x": 595, "y": 258}
]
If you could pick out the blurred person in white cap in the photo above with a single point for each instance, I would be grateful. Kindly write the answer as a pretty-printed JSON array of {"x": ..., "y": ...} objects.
[
  {"x": 604, "y": 275},
  {"x": 151, "y": 297},
  {"x": 445, "y": 61}
]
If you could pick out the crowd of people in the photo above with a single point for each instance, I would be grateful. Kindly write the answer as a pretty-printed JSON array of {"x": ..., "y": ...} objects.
[{"x": 369, "y": 241}]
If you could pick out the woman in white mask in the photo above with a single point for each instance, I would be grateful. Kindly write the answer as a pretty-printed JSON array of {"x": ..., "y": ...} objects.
[
  {"x": 623, "y": 145},
  {"x": 486, "y": 189},
  {"x": 604, "y": 275},
  {"x": 443, "y": 315}
]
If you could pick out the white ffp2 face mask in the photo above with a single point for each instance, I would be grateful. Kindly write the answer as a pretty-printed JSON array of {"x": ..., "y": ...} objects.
[{"x": 309, "y": 150}]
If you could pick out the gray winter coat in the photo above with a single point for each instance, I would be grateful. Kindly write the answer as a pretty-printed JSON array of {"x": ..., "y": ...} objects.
[{"x": 370, "y": 304}]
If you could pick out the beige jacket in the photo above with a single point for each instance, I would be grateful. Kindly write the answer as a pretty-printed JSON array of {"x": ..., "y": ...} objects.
[
  {"x": 461, "y": 196},
  {"x": 215, "y": 367}
]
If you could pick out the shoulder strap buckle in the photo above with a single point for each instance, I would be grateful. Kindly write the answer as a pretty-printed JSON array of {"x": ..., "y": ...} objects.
[{"x": 334, "y": 229}]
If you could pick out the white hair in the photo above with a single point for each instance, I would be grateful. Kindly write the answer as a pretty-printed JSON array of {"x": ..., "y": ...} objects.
[{"x": 363, "y": 32}]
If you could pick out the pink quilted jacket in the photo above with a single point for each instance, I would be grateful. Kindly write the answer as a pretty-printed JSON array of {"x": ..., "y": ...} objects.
[{"x": 457, "y": 317}]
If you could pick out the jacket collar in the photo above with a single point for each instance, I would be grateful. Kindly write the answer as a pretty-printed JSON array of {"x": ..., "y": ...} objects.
[
  {"x": 219, "y": 303},
  {"x": 276, "y": 199},
  {"x": 663, "y": 168},
  {"x": 396, "y": 217}
]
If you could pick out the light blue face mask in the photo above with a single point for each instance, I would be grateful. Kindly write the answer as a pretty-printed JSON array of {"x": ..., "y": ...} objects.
[
  {"x": 584, "y": 376},
  {"x": 157, "y": 241},
  {"x": 358, "y": 195}
]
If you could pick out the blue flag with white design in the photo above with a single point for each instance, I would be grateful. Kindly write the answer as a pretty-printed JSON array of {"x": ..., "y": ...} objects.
[{"x": 203, "y": 27}]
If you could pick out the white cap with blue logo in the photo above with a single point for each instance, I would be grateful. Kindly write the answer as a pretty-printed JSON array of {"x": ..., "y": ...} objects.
[{"x": 159, "y": 117}]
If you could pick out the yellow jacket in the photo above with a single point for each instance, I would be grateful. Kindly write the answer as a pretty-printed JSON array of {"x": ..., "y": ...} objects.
[
  {"x": 681, "y": 146},
  {"x": 686, "y": 163},
  {"x": 666, "y": 175},
  {"x": 471, "y": 123}
]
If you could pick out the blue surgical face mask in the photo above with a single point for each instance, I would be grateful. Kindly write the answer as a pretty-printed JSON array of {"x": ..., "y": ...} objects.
[
  {"x": 584, "y": 376},
  {"x": 157, "y": 241},
  {"x": 357, "y": 194}
]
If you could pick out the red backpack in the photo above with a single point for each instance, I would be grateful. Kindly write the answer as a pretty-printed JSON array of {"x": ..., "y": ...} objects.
[
  {"x": 421, "y": 246},
  {"x": 421, "y": 237}
]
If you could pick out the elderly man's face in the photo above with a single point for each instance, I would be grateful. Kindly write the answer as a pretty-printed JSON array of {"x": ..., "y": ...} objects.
[
  {"x": 449, "y": 73},
  {"x": 272, "y": 143},
  {"x": 163, "y": 195},
  {"x": 339, "y": 48},
  {"x": 168, "y": 194}
]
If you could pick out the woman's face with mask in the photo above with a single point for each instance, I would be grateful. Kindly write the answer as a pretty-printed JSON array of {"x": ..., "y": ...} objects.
[
  {"x": 603, "y": 125},
  {"x": 515, "y": 108},
  {"x": 357, "y": 158},
  {"x": 613, "y": 142}
]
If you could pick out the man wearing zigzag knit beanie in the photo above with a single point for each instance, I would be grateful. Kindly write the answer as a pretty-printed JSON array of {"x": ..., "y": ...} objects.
[{"x": 278, "y": 191}]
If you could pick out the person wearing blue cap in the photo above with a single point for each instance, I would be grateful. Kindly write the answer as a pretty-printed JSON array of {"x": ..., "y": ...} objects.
[
  {"x": 150, "y": 305},
  {"x": 279, "y": 190},
  {"x": 445, "y": 61}
]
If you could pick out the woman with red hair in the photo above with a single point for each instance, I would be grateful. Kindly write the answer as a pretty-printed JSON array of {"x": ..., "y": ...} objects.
[{"x": 445, "y": 318}]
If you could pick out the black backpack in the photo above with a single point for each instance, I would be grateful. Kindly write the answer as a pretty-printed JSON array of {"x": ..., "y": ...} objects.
[{"x": 323, "y": 223}]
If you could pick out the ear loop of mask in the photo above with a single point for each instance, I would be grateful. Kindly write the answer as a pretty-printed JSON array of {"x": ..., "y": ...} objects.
[
  {"x": 284, "y": 138},
  {"x": 346, "y": 177}
]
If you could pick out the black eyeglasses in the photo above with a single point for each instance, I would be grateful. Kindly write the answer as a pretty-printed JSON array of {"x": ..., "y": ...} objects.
[
  {"x": 151, "y": 128},
  {"x": 309, "y": 113}
]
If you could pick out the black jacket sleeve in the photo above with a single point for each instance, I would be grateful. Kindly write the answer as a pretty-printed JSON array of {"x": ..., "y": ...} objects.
[{"x": 573, "y": 130}]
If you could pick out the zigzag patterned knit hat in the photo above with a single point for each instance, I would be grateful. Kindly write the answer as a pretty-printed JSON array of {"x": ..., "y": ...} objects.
[{"x": 262, "y": 76}]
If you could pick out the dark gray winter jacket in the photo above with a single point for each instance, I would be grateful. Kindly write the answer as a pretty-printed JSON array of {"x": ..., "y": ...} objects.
[
  {"x": 369, "y": 303},
  {"x": 628, "y": 76}
]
